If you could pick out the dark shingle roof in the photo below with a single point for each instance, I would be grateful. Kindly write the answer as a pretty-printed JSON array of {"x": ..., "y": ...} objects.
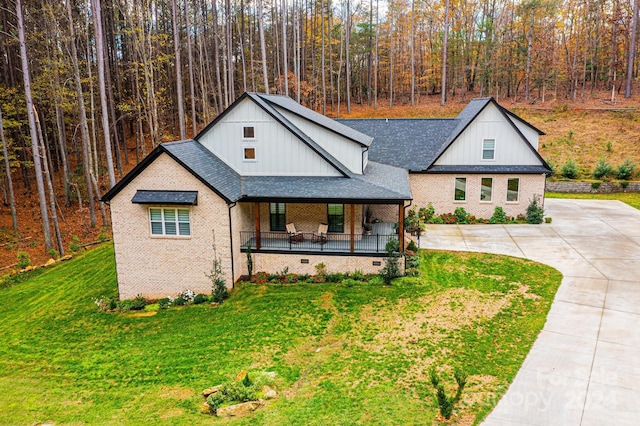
[
  {"x": 319, "y": 119},
  {"x": 143, "y": 196},
  {"x": 379, "y": 183},
  {"x": 404, "y": 142}
]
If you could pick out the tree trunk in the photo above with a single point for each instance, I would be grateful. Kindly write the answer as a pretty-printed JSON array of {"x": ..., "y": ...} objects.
[
  {"x": 46, "y": 230},
  {"x": 176, "y": 51},
  {"x": 263, "y": 48},
  {"x": 413, "y": 52},
  {"x": 7, "y": 169},
  {"x": 445, "y": 47},
  {"x": 84, "y": 129},
  {"x": 529, "y": 45},
  {"x": 285, "y": 64},
  {"x": 347, "y": 44},
  {"x": 192, "y": 91},
  {"x": 632, "y": 50},
  {"x": 97, "y": 25}
]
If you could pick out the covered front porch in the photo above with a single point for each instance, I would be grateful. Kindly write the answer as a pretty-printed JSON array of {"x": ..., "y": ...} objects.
[{"x": 326, "y": 228}]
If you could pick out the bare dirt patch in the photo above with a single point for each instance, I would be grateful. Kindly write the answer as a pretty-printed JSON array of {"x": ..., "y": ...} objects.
[{"x": 175, "y": 392}]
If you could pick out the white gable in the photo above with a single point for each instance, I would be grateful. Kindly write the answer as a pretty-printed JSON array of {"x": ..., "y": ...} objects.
[
  {"x": 510, "y": 149},
  {"x": 528, "y": 132},
  {"x": 278, "y": 152},
  {"x": 348, "y": 152}
]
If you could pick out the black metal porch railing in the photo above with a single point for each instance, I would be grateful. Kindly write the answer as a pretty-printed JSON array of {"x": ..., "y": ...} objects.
[{"x": 277, "y": 241}]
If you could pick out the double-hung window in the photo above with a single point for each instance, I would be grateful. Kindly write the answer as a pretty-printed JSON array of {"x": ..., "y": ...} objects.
[
  {"x": 277, "y": 216},
  {"x": 486, "y": 187},
  {"x": 488, "y": 149},
  {"x": 335, "y": 217},
  {"x": 170, "y": 221},
  {"x": 513, "y": 189},
  {"x": 460, "y": 189}
]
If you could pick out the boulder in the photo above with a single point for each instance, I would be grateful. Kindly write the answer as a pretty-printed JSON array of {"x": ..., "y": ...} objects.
[
  {"x": 241, "y": 375},
  {"x": 67, "y": 257},
  {"x": 211, "y": 390},
  {"x": 50, "y": 262},
  {"x": 268, "y": 392},
  {"x": 205, "y": 408},
  {"x": 238, "y": 409}
]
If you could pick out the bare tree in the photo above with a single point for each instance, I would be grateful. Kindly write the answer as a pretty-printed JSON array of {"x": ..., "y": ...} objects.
[
  {"x": 178, "y": 63},
  {"x": 263, "y": 48},
  {"x": 97, "y": 24},
  {"x": 192, "y": 92},
  {"x": 7, "y": 169},
  {"x": 445, "y": 47},
  {"x": 632, "y": 50},
  {"x": 26, "y": 75}
]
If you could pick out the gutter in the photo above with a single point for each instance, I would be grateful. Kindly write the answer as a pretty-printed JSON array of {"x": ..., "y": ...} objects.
[{"x": 233, "y": 275}]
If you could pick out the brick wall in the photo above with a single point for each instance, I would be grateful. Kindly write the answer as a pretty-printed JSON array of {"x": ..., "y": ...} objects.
[
  {"x": 586, "y": 187},
  {"x": 307, "y": 217},
  {"x": 272, "y": 263},
  {"x": 164, "y": 266},
  {"x": 385, "y": 212},
  {"x": 439, "y": 190}
]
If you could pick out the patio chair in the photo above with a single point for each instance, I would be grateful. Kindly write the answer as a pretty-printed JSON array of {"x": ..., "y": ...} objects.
[
  {"x": 294, "y": 235},
  {"x": 321, "y": 235}
]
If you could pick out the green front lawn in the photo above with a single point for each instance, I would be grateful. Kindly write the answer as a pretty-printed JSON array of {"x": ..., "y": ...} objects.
[
  {"x": 343, "y": 354},
  {"x": 631, "y": 198}
]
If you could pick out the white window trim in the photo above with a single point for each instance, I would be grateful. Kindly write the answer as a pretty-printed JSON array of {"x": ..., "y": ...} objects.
[
  {"x": 164, "y": 234},
  {"x": 507, "y": 195},
  {"x": 250, "y": 160},
  {"x": 254, "y": 132},
  {"x": 465, "y": 189},
  {"x": 495, "y": 146},
  {"x": 492, "y": 190}
]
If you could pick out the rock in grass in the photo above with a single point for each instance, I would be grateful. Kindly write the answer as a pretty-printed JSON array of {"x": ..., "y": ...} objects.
[
  {"x": 211, "y": 390},
  {"x": 50, "y": 262},
  {"x": 268, "y": 392},
  {"x": 205, "y": 408},
  {"x": 238, "y": 409}
]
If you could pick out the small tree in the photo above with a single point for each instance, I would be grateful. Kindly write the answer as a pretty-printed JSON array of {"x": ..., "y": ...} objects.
[
  {"x": 391, "y": 268},
  {"x": 603, "y": 169},
  {"x": 569, "y": 169},
  {"x": 446, "y": 403},
  {"x": 535, "y": 212},
  {"x": 625, "y": 170},
  {"x": 499, "y": 216},
  {"x": 219, "y": 289}
]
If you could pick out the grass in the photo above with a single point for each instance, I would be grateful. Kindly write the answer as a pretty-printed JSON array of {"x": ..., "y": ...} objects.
[
  {"x": 631, "y": 198},
  {"x": 343, "y": 355}
]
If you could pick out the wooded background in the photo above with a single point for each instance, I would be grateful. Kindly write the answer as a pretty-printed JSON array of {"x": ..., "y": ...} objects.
[{"x": 91, "y": 86}]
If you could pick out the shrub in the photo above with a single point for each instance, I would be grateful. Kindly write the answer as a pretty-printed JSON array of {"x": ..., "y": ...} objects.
[
  {"x": 499, "y": 216},
  {"x": 391, "y": 268},
  {"x": 219, "y": 291},
  {"x": 535, "y": 212},
  {"x": 595, "y": 185},
  {"x": 179, "y": 301},
  {"x": 413, "y": 262},
  {"x": 74, "y": 245},
  {"x": 164, "y": 303},
  {"x": 260, "y": 278},
  {"x": 106, "y": 304},
  {"x": 291, "y": 278},
  {"x": 321, "y": 272},
  {"x": 53, "y": 253},
  {"x": 412, "y": 246},
  {"x": 412, "y": 222},
  {"x": 103, "y": 235},
  {"x": 335, "y": 278},
  {"x": 249, "y": 262},
  {"x": 569, "y": 169},
  {"x": 445, "y": 403},
  {"x": 427, "y": 213},
  {"x": 625, "y": 170},
  {"x": 199, "y": 299},
  {"x": 603, "y": 169},
  {"x": 23, "y": 259},
  {"x": 138, "y": 303},
  {"x": 358, "y": 275},
  {"x": 303, "y": 277},
  {"x": 350, "y": 282},
  {"x": 125, "y": 305},
  {"x": 461, "y": 215},
  {"x": 187, "y": 295},
  {"x": 448, "y": 218},
  {"x": 273, "y": 278},
  {"x": 438, "y": 220},
  {"x": 392, "y": 246},
  {"x": 624, "y": 184}
]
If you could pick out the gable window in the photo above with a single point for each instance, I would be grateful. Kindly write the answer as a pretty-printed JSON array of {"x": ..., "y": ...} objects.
[
  {"x": 248, "y": 132},
  {"x": 170, "y": 221},
  {"x": 486, "y": 187},
  {"x": 249, "y": 153},
  {"x": 488, "y": 149},
  {"x": 277, "y": 216},
  {"x": 513, "y": 189},
  {"x": 335, "y": 217},
  {"x": 460, "y": 190}
]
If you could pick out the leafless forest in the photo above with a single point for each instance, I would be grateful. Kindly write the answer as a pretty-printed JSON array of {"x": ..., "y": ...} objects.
[{"x": 88, "y": 87}]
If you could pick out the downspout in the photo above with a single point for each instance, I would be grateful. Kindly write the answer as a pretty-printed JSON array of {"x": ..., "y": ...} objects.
[
  {"x": 233, "y": 274},
  {"x": 362, "y": 157}
]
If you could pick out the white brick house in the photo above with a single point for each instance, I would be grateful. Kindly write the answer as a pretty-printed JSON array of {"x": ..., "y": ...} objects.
[{"x": 267, "y": 162}]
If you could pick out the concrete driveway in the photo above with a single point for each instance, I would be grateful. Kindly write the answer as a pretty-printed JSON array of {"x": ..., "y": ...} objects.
[{"x": 584, "y": 368}]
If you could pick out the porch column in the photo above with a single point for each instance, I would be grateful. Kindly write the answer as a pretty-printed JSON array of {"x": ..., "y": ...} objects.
[
  {"x": 256, "y": 214},
  {"x": 401, "y": 226},
  {"x": 351, "y": 229}
]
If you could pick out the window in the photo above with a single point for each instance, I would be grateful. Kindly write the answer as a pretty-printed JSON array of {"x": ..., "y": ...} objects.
[
  {"x": 461, "y": 189},
  {"x": 277, "y": 216},
  {"x": 489, "y": 149},
  {"x": 249, "y": 153},
  {"x": 335, "y": 217},
  {"x": 168, "y": 221},
  {"x": 485, "y": 189},
  {"x": 513, "y": 188},
  {"x": 248, "y": 132}
]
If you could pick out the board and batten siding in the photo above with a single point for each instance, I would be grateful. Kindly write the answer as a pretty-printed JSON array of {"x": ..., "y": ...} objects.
[
  {"x": 527, "y": 131},
  {"x": 278, "y": 152},
  {"x": 510, "y": 149},
  {"x": 344, "y": 150}
]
